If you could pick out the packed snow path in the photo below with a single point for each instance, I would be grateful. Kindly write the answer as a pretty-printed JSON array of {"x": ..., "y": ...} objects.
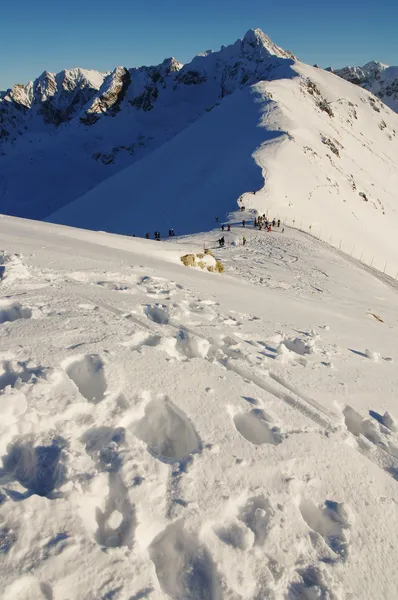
[{"x": 173, "y": 433}]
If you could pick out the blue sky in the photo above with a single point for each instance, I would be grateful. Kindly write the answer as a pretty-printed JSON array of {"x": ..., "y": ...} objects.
[{"x": 52, "y": 35}]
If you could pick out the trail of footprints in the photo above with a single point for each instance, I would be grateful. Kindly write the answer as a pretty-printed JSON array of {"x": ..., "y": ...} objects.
[{"x": 184, "y": 566}]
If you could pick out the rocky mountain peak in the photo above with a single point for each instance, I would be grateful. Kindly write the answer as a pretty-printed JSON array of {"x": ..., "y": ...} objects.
[{"x": 258, "y": 43}]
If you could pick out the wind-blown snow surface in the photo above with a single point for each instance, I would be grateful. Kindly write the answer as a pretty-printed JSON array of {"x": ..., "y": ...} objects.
[
  {"x": 173, "y": 433},
  {"x": 314, "y": 148}
]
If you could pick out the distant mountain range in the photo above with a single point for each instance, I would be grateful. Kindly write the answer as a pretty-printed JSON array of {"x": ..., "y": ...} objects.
[
  {"x": 375, "y": 77},
  {"x": 175, "y": 145}
]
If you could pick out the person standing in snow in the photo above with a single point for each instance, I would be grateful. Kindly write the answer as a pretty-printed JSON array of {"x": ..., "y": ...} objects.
[
  {"x": 229, "y": 227},
  {"x": 147, "y": 235},
  {"x": 279, "y": 222},
  {"x": 269, "y": 228},
  {"x": 243, "y": 223},
  {"x": 255, "y": 222},
  {"x": 273, "y": 222},
  {"x": 217, "y": 219}
]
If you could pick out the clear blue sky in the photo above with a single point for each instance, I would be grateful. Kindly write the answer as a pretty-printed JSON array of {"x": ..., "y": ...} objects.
[{"x": 38, "y": 35}]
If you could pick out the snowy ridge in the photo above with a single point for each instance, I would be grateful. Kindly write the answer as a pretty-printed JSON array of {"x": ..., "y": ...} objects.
[
  {"x": 173, "y": 433},
  {"x": 306, "y": 147}
]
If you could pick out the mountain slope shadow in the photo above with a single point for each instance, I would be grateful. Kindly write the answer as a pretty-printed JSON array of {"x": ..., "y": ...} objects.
[{"x": 211, "y": 158}]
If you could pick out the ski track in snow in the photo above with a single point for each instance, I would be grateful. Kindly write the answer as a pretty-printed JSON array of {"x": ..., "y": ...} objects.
[{"x": 133, "y": 461}]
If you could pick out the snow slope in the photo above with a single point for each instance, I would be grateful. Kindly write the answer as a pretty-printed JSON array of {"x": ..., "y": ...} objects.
[
  {"x": 173, "y": 433},
  {"x": 315, "y": 148},
  {"x": 377, "y": 78}
]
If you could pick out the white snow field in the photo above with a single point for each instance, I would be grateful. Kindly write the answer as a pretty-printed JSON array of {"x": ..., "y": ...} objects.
[{"x": 172, "y": 433}]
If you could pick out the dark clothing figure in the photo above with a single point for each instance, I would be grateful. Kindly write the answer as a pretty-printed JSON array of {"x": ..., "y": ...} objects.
[
  {"x": 147, "y": 235},
  {"x": 243, "y": 223},
  {"x": 229, "y": 227},
  {"x": 216, "y": 219},
  {"x": 273, "y": 223},
  {"x": 283, "y": 230},
  {"x": 279, "y": 222},
  {"x": 222, "y": 227},
  {"x": 157, "y": 235},
  {"x": 255, "y": 221},
  {"x": 221, "y": 241}
]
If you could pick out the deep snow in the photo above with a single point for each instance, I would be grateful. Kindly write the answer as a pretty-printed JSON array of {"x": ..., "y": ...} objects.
[{"x": 172, "y": 433}]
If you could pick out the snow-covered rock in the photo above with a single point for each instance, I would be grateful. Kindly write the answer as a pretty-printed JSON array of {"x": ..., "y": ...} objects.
[{"x": 375, "y": 77}]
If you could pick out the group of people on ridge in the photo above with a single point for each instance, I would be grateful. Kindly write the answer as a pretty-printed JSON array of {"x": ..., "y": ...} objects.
[
  {"x": 263, "y": 222},
  {"x": 156, "y": 235}
]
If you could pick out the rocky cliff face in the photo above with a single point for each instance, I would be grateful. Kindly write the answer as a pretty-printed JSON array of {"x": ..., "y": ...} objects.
[{"x": 375, "y": 77}]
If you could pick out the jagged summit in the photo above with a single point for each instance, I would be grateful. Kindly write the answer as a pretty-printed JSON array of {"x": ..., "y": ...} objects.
[{"x": 257, "y": 39}]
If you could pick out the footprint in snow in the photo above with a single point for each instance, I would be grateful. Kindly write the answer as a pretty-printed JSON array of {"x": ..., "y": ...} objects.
[
  {"x": 167, "y": 431},
  {"x": 12, "y": 311},
  {"x": 254, "y": 427},
  {"x": 87, "y": 373},
  {"x": 184, "y": 568},
  {"x": 251, "y": 525},
  {"x": 330, "y": 525},
  {"x": 158, "y": 313},
  {"x": 38, "y": 468},
  {"x": 13, "y": 372}
]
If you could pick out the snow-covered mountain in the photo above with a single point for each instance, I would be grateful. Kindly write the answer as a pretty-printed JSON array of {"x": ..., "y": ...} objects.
[
  {"x": 173, "y": 146},
  {"x": 375, "y": 77},
  {"x": 57, "y": 130}
]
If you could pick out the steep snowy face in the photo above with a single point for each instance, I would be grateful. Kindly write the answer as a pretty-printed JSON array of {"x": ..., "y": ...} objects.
[{"x": 375, "y": 77}]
